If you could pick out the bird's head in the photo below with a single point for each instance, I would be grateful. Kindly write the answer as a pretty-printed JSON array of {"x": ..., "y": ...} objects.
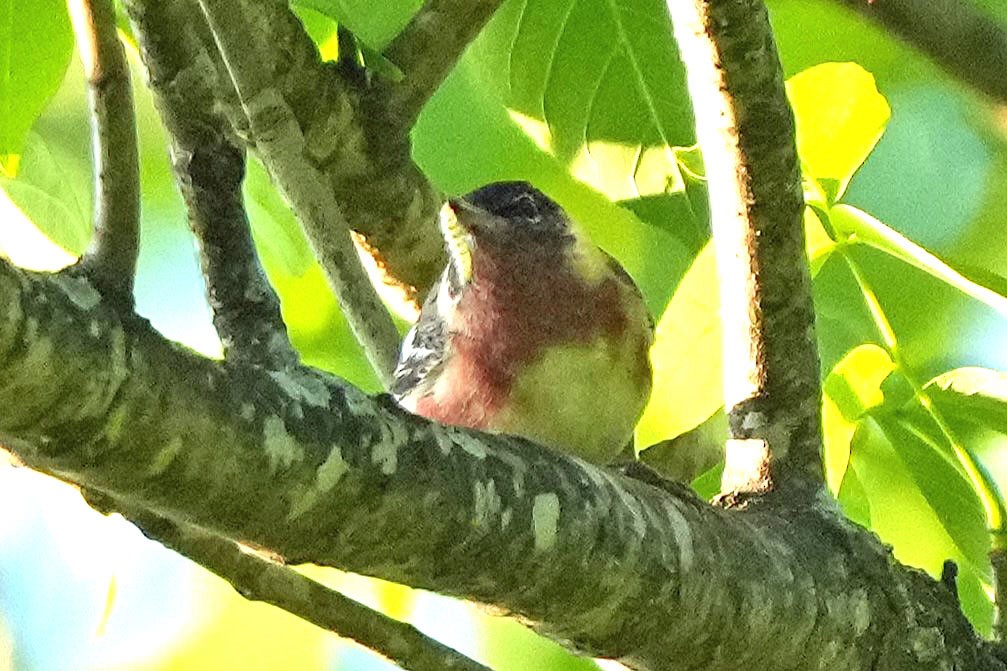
[{"x": 504, "y": 219}]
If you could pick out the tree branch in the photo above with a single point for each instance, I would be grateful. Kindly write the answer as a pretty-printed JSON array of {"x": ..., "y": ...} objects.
[
  {"x": 302, "y": 464},
  {"x": 284, "y": 149},
  {"x": 381, "y": 192},
  {"x": 111, "y": 257},
  {"x": 427, "y": 50},
  {"x": 746, "y": 131},
  {"x": 260, "y": 580},
  {"x": 209, "y": 168},
  {"x": 966, "y": 42},
  {"x": 998, "y": 562}
]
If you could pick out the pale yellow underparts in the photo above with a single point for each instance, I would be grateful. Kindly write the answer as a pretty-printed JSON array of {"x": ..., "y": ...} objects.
[{"x": 584, "y": 400}]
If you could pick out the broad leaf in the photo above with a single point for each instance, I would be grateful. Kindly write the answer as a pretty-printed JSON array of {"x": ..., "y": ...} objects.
[
  {"x": 976, "y": 394},
  {"x": 52, "y": 189},
  {"x": 277, "y": 232},
  {"x": 919, "y": 503},
  {"x": 840, "y": 116},
  {"x": 599, "y": 86},
  {"x": 850, "y": 390},
  {"x": 686, "y": 356},
  {"x": 862, "y": 227},
  {"x": 929, "y": 460},
  {"x": 35, "y": 47},
  {"x": 374, "y": 23}
]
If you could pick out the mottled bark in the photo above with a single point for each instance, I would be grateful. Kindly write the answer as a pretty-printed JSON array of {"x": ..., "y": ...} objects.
[
  {"x": 302, "y": 464},
  {"x": 772, "y": 391},
  {"x": 209, "y": 166}
]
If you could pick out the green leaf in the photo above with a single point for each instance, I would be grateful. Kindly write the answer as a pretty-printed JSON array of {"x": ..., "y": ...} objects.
[
  {"x": 979, "y": 394},
  {"x": 840, "y": 116},
  {"x": 598, "y": 85},
  {"x": 688, "y": 455},
  {"x": 686, "y": 356},
  {"x": 973, "y": 403},
  {"x": 375, "y": 23},
  {"x": 708, "y": 484},
  {"x": 860, "y": 227},
  {"x": 851, "y": 389},
  {"x": 819, "y": 244},
  {"x": 35, "y": 48},
  {"x": 929, "y": 460},
  {"x": 853, "y": 499},
  {"x": 277, "y": 233},
  {"x": 52, "y": 189},
  {"x": 902, "y": 514}
]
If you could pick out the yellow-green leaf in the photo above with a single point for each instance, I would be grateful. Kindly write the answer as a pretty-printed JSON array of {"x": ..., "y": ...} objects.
[
  {"x": 851, "y": 389},
  {"x": 35, "y": 49},
  {"x": 840, "y": 117},
  {"x": 858, "y": 226},
  {"x": 686, "y": 356}
]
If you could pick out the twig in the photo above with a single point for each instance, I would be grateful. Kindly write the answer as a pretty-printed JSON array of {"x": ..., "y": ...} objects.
[
  {"x": 281, "y": 144},
  {"x": 746, "y": 131},
  {"x": 962, "y": 39},
  {"x": 111, "y": 258},
  {"x": 209, "y": 168},
  {"x": 998, "y": 561},
  {"x": 259, "y": 579},
  {"x": 428, "y": 48}
]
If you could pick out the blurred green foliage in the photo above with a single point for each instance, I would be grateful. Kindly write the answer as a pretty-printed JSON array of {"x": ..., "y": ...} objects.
[{"x": 905, "y": 173}]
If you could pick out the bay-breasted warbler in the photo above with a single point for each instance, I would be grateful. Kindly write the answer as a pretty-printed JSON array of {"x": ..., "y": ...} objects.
[{"x": 532, "y": 330}]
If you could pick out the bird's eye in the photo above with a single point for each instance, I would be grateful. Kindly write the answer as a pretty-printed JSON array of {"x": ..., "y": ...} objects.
[{"x": 522, "y": 207}]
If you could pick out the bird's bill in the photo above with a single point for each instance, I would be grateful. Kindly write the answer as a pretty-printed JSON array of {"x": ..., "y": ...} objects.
[{"x": 465, "y": 216}]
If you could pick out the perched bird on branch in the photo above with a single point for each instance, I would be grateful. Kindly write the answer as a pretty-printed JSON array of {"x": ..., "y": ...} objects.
[{"x": 532, "y": 330}]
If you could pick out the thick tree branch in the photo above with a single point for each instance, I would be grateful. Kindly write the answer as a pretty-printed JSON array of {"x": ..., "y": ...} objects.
[
  {"x": 111, "y": 257},
  {"x": 284, "y": 150},
  {"x": 381, "y": 192},
  {"x": 746, "y": 131},
  {"x": 427, "y": 50},
  {"x": 209, "y": 168},
  {"x": 966, "y": 42},
  {"x": 261, "y": 580},
  {"x": 306, "y": 466}
]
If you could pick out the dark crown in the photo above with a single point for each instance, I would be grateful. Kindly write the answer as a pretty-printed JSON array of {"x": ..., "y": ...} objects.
[{"x": 521, "y": 204}]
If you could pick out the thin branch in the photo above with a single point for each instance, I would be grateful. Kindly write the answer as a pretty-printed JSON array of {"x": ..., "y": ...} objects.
[
  {"x": 258, "y": 579},
  {"x": 427, "y": 50},
  {"x": 998, "y": 562},
  {"x": 366, "y": 163},
  {"x": 283, "y": 148},
  {"x": 746, "y": 131},
  {"x": 209, "y": 168},
  {"x": 111, "y": 257},
  {"x": 966, "y": 42},
  {"x": 303, "y": 465}
]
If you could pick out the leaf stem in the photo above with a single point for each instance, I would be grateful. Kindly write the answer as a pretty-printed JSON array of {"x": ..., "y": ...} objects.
[{"x": 985, "y": 490}]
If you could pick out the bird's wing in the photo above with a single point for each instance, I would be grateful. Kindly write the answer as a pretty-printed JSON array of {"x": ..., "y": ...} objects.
[{"x": 423, "y": 351}]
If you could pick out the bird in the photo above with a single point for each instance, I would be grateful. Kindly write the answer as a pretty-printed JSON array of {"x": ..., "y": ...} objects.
[{"x": 532, "y": 329}]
